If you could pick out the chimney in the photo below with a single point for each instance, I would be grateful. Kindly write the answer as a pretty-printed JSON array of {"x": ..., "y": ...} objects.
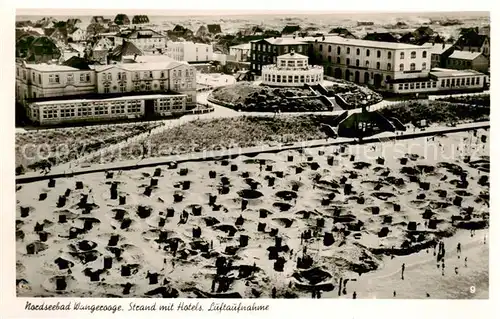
[{"x": 135, "y": 56}]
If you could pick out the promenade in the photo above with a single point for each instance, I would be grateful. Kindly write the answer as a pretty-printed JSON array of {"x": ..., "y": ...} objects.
[{"x": 67, "y": 170}]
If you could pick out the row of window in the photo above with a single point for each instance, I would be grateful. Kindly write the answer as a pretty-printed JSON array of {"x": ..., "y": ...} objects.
[
  {"x": 55, "y": 78},
  {"x": 273, "y": 48},
  {"x": 378, "y": 65},
  {"x": 444, "y": 83},
  {"x": 54, "y": 111},
  {"x": 460, "y": 82},
  {"x": 293, "y": 63},
  {"x": 456, "y": 62},
  {"x": 291, "y": 78},
  {"x": 418, "y": 85},
  {"x": 413, "y": 54}
]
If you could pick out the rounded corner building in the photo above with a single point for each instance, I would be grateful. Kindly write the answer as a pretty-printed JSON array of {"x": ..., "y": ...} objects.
[{"x": 292, "y": 69}]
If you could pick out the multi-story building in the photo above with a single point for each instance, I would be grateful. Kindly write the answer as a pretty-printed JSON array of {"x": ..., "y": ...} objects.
[
  {"x": 378, "y": 64},
  {"x": 464, "y": 60},
  {"x": 292, "y": 70},
  {"x": 144, "y": 39},
  {"x": 439, "y": 53},
  {"x": 190, "y": 51},
  {"x": 45, "y": 80},
  {"x": 241, "y": 52},
  {"x": 266, "y": 51},
  {"x": 54, "y": 94}
]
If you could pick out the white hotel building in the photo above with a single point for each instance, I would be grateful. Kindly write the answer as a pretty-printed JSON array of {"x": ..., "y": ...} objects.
[
  {"x": 54, "y": 94},
  {"x": 190, "y": 51},
  {"x": 292, "y": 69},
  {"x": 386, "y": 66}
]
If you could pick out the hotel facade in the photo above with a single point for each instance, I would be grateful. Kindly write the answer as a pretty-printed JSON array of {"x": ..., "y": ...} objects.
[
  {"x": 54, "y": 94},
  {"x": 190, "y": 51}
]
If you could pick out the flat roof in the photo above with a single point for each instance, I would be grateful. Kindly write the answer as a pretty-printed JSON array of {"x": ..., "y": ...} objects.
[
  {"x": 437, "y": 48},
  {"x": 438, "y": 72},
  {"x": 368, "y": 43},
  {"x": 465, "y": 55},
  {"x": 145, "y": 66},
  {"x": 282, "y": 41},
  {"x": 50, "y": 67},
  {"x": 241, "y": 46}
]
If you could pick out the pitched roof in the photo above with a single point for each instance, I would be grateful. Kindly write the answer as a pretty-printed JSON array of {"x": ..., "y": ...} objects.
[
  {"x": 244, "y": 46},
  {"x": 214, "y": 28},
  {"x": 143, "y": 33},
  {"x": 465, "y": 55},
  {"x": 471, "y": 39},
  {"x": 437, "y": 48},
  {"x": 290, "y": 29},
  {"x": 77, "y": 63},
  {"x": 125, "y": 49}
]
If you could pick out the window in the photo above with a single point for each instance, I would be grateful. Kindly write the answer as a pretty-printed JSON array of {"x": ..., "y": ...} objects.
[
  {"x": 330, "y": 59},
  {"x": 119, "y": 75},
  {"x": 358, "y": 51},
  {"x": 447, "y": 82},
  {"x": 367, "y": 52},
  {"x": 389, "y": 67},
  {"x": 477, "y": 81},
  {"x": 357, "y": 62},
  {"x": 301, "y": 79},
  {"x": 400, "y": 86},
  {"x": 434, "y": 84},
  {"x": 69, "y": 78},
  {"x": 40, "y": 78},
  {"x": 378, "y": 65},
  {"x": 137, "y": 76},
  {"x": 402, "y": 55},
  {"x": 417, "y": 85},
  {"x": 278, "y": 78},
  {"x": 379, "y": 54},
  {"x": 122, "y": 88},
  {"x": 348, "y": 50},
  {"x": 367, "y": 64},
  {"x": 412, "y": 67},
  {"x": 24, "y": 74},
  {"x": 452, "y": 82},
  {"x": 442, "y": 83},
  {"x": 401, "y": 67},
  {"x": 329, "y": 48},
  {"x": 463, "y": 82},
  {"x": 283, "y": 63},
  {"x": 109, "y": 76},
  {"x": 424, "y": 66},
  {"x": 413, "y": 54},
  {"x": 412, "y": 86},
  {"x": 53, "y": 78},
  {"x": 348, "y": 61},
  {"x": 338, "y": 50},
  {"x": 424, "y": 54},
  {"x": 106, "y": 89},
  {"x": 406, "y": 86},
  {"x": 338, "y": 60},
  {"x": 320, "y": 47},
  {"x": 389, "y": 55}
]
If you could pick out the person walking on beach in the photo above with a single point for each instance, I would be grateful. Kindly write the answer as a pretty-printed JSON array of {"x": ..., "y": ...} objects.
[
  {"x": 465, "y": 261},
  {"x": 456, "y": 270},
  {"x": 273, "y": 293},
  {"x": 394, "y": 293},
  {"x": 354, "y": 295},
  {"x": 459, "y": 250},
  {"x": 403, "y": 271}
]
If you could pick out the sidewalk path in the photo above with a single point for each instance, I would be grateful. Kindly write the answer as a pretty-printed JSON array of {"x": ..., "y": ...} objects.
[{"x": 62, "y": 170}]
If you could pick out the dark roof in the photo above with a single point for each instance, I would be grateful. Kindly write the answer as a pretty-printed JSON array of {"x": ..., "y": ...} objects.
[
  {"x": 214, "y": 28},
  {"x": 381, "y": 37},
  {"x": 424, "y": 30},
  {"x": 139, "y": 19},
  {"x": 179, "y": 28},
  {"x": 471, "y": 40},
  {"x": 77, "y": 62},
  {"x": 143, "y": 33},
  {"x": 290, "y": 29},
  {"x": 122, "y": 19},
  {"x": 48, "y": 31},
  {"x": 97, "y": 19},
  {"x": 125, "y": 49}
]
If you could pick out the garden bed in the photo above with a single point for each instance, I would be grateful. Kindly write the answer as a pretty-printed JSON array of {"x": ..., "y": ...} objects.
[
  {"x": 246, "y": 96},
  {"x": 438, "y": 112}
]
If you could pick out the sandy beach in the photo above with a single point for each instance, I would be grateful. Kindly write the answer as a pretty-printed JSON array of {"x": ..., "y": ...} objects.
[{"x": 296, "y": 221}]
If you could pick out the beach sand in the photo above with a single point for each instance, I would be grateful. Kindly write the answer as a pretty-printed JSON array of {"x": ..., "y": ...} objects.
[{"x": 344, "y": 228}]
